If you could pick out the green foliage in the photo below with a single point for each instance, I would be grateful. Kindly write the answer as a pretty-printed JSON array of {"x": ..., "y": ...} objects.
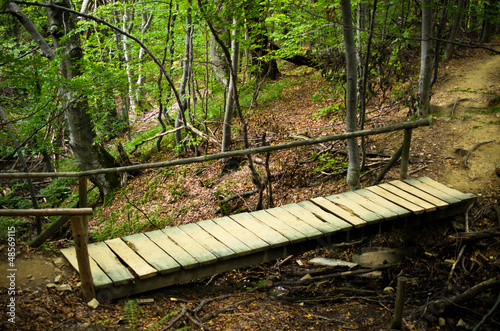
[
  {"x": 131, "y": 312},
  {"x": 330, "y": 163},
  {"x": 58, "y": 190},
  {"x": 22, "y": 227}
]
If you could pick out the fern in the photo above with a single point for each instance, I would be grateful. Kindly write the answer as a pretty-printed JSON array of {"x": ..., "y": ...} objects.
[{"x": 130, "y": 313}]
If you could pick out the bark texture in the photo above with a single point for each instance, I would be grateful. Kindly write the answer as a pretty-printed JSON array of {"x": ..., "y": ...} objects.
[
  {"x": 353, "y": 170},
  {"x": 89, "y": 155}
]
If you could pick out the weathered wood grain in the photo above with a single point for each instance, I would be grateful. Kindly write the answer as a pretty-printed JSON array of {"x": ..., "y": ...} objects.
[
  {"x": 179, "y": 254},
  {"x": 190, "y": 245},
  {"x": 418, "y": 191},
  {"x": 348, "y": 216},
  {"x": 396, "y": 199},
  {"x": 110, "y": 263},
  {"x": 261, "y": 230},
  {"x": 101, "y": 280},
  {"x": 151, "y": 253},
  {"x": 131, "y": 258}
]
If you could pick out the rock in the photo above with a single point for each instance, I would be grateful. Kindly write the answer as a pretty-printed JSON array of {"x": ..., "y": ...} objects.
[
  {"x": 389, "y": 289},
  {"x": 64, "y": 287},
  {"x": 93, "y": 303},
  {"x": 59, "y": 262},
  {"x": 58, "y": 279}
]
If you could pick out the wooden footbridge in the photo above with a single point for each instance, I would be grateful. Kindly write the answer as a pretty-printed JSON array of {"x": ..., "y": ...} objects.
[
  {"x": 151, "y": 260},
  {"x": 142, "y": 262}
]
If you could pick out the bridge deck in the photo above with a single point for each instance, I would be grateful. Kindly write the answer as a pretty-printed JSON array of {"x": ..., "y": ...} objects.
[{"x": 151, "y": 260}]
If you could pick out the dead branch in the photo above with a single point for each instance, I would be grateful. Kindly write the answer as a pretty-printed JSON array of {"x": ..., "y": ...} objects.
[
  {"x": 156, "y": 137},
  {"x": 478, "y": 235},
  {"x": 334, "y": 275},
  {"x": 203, "y": 135},
  {"x": 437, "y": 307}
]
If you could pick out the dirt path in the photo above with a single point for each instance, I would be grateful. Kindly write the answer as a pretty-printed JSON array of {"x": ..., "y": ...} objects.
[{"x": 466, "y": 120}]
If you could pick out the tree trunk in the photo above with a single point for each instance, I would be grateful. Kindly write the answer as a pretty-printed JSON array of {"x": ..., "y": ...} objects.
[
  {"x": 425, "y": 79},
  {"x": 89, "y": 155},
  {"x": 489, "y": 17},
  {"x": 228, "y": 115},
  {"x": 457, "y": 17},
  {"x": 353, "y": 171},
  {"x": 180, "y": 119}
]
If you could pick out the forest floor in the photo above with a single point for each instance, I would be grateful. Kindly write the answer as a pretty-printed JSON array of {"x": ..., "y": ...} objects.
[{"x": 461, "y": 149}]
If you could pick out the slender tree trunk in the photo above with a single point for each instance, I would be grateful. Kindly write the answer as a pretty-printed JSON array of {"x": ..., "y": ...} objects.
[
  {"x": 89, "y": 155},
  {"x": 457, "y": 18},
  {"x": 139, "y": 95},
  {"x": 488, "y": 27},
  {"x": 353, "y": 171},
  {"x": 180, "y": 119},
  {"x": 228, "y": 115},
  {"x": 425, "y": 79}
]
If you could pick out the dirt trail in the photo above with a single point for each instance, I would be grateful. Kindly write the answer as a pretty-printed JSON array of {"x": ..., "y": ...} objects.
[{"x": 466, "y": 121}]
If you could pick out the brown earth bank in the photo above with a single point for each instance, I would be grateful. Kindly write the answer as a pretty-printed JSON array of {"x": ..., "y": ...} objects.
[{"x": 461, "y": 149}]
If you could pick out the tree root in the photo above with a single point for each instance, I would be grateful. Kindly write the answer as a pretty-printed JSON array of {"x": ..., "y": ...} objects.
[{"x": 433, "y": 309}]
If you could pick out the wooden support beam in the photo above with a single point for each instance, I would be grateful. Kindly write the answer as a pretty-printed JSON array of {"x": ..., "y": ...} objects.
[
  {"x": 46, "y": 212},
  {"x": 80, "y": 236},
  {"x": 405, "y": 155}
]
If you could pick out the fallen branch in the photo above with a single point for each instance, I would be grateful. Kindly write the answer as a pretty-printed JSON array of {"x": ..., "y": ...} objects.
[
  {"x": 478, "y": 235},
  {"x": 156, "y": 137},
  {"x": 334, "y": 275},
  {"x": 436, "y": 308}
]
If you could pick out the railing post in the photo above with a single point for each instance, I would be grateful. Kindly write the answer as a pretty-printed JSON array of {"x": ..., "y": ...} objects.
[
  {"x": 405, "y": 155},
  {"x": 79, "y": 226}
]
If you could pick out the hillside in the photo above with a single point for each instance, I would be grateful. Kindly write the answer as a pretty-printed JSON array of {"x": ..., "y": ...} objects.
[{"x": 461, "y": 149}]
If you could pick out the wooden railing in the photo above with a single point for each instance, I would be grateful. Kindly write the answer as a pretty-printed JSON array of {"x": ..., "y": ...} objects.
[{"x": 79, "y": 216}]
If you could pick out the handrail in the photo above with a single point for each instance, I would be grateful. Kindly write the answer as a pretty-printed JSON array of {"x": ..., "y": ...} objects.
[
  {"x": 46, "y": 212},
  {"x": 241, "y": 152}
]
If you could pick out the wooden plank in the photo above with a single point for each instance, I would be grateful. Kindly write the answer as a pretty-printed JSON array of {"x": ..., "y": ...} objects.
[
  {"x": 308, "y": 230},
  {"x": 150, "y": 252},
  {"x": 131, "y": 258},
  {"x": 349, "y": 217},
  {"x": 101, "y": 280},
  {"x": 225, "y": 237},
  {"x": 446, "y": 189},
  {"x": 110, "y": 263},
  {"x": 407, "y": 196},
  {"x": 371, "y": 205},
  {"x": 210, "y": 243},
  {"x": 181, "y": 238},
  {"x": 171, "y": 248},
  {"x": 383, "y": 203},
  {"x": 284, "y": 228},
  {"x": 420, "y": 193},
  {"x": 432, "y": 190},
  {"x": 337, "y": 222},
  {"x": 243, "y": 234},
  {"x": 308, "y": 217},
  {"x": 264, "y": 232},
  {"x": 396, "y": 199},
  {"x": 345, "y": 201}
]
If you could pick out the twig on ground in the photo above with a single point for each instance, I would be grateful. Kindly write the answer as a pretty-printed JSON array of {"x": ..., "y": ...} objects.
[
  {"x": 485, "y": 317},
  {"x": 212, "y": 314},
  {"x": 456, "y": 262}
]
